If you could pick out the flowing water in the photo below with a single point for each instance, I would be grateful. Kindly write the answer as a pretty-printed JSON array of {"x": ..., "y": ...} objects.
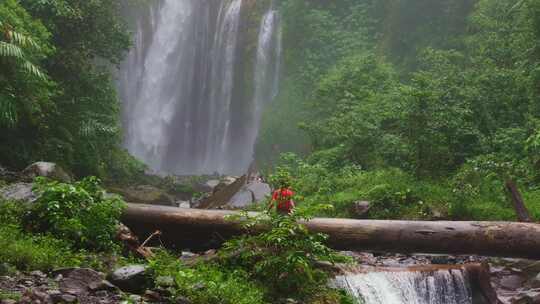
[
  {"x": 185, "y": 108},
  {"x": 266, "y": 74},
  {"x": 408, "y": 287}
]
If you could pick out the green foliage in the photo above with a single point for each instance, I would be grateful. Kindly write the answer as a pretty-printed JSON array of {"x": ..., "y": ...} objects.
[
  {"x": 72, "y": 116},
  {"x": 24, "y": 42},
  {"x": 25, "y": 251},
  {"x": 78, "y": 213},
  {"x": 35, "y": 252},
  {"x": 10, "y": 296},
  {"x": 204, "y": 283},
  {"x": 283, "y": 258}
]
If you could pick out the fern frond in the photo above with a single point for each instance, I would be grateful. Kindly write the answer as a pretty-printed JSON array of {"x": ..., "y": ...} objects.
[
  {"x": 10, "y": 50},
  {"x": 31, "y": 69},
  {"x": 15, "y": 52},
  {"x": 8, "y": 113},
  {"x": 22, "y": 40},
  {"x": 92, "y": 128}
]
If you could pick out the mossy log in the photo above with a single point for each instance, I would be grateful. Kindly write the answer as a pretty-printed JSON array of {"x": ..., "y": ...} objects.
[{"x": 203, "y": 229}]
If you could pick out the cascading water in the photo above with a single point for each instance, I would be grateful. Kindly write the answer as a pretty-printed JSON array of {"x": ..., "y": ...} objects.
[
  {"x": 266, "y": 75},
  {"x": 408, "y": 287},
  {"x": 184, "y": 108}
]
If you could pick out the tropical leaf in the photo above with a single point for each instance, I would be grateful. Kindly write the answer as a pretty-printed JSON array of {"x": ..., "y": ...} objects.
[
  {"x": 92, "y": 127},
  {"x": 10, "y": 50},
  {"x": 22, "y": 40},
  {"x": 8, "y": 113},
  {"x": 33, "y": 70}
]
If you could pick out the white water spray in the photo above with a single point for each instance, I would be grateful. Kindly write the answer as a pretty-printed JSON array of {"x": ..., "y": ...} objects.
[{"x": 408, "y": 287}]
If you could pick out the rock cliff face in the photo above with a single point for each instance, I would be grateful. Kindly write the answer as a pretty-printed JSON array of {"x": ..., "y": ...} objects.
[{"x": 194, "y": 85}]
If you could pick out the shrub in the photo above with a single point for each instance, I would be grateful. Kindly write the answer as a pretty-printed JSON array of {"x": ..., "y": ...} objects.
[
  {"x": 283, "y": 258},
  {"x": 78, "y": 213},
  {"x": 204, "y": 283},
  {"x": 38, "y": 252}
]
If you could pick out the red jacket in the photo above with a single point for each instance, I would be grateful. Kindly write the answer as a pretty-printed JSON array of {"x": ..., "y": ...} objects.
[{"x": 283, "y": 197}]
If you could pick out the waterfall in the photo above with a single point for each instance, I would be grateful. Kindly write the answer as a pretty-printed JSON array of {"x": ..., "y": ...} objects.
[
  {"x": 266, "y": 74},
  {"x": 185, "y": 109},
  {"x": 408, "y": 287}
]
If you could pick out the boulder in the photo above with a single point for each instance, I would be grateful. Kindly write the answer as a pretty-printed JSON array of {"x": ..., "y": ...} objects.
[
  {"x": 183, "y": 204},
  {"x": 45, "y": 169},
  {"x": 260, "y": 190},
  {"x": 360, "y": 209},
  {"x": 512, "y": 282},
  {"x": 131, "y": 278},
  {"x": 146, "y": 194},
  {"x": 8, "y": 176},
  {"x": 249, "y": 194},
  {"x": 222, "y": 197},
  {"x": 79, "y": 281},
  {"x": 535, "y": 282},
  {"x": 19, "y": 192},
  {"x": 241, "y": 199}
]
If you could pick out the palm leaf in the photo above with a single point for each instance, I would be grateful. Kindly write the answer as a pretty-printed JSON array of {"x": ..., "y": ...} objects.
[
  {"x": 31, "y": 69},
  {"x": 92, "y": 127},
  {"x": 10, "y": 50},
  {"x": 8, "y": 113}
]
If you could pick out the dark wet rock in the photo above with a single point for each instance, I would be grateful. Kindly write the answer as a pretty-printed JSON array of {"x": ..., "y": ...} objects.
[
  {"x": 131, "y": 278},
  {"x": 146, "y": 194},
  {"x": 182, "y": 300},
  {"x": 535, "y": 282},
  {"x": 102, "y": 285},
  {"x": 78, "y": 281},
  {"x": 152, "y": 295},
  {"x": 512, "y": 282},
  {"x": 58, "y": 297},
  {"x": 38, "y": 274},
  {"x": 46, "y": 169},
  {"x": 527, "y": 297},
  {"x": 360, "y": 209},
  {"x": 21, "y": 192},
  {"x": 8, "y": 176}
]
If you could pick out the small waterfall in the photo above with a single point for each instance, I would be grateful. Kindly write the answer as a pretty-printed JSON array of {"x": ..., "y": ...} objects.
[
  {"x": 266, "y": 74},
  {"x": 408, "y": 287},
  {"x": 185, "y": 106}
]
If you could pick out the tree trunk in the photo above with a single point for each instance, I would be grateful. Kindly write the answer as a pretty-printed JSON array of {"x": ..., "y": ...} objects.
[
  {"x": 519, "y": 204},
  {"x": 203, "y": 229}
]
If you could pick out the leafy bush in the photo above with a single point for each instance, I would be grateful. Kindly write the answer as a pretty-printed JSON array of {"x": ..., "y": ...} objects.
[
  {"x": 284, "y": 258},
  {"x": 37, "y": 252},
  {"x": 204, "y": 283},
  {"x": 78, "y": 213}
]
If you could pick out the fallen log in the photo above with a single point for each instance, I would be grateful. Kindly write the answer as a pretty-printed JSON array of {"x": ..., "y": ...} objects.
[{"x": 204, "y": 229}]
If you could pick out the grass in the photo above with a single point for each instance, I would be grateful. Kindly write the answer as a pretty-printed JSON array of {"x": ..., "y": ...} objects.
[
  {"x": 206, "y": 283},
  {"x": 36, "y": 252},
  {"x": 395, "y": 194},
  {"x": 6, "y": 295}
]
